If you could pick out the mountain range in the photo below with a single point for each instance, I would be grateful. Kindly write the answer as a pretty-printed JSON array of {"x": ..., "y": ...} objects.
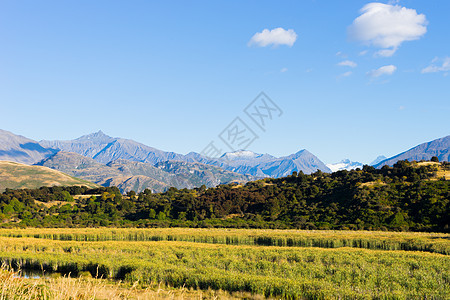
[
  {"x": 104, "y": 149},
  {"x": 125, "y": 163},
  {"x": 266, "y": 165}
]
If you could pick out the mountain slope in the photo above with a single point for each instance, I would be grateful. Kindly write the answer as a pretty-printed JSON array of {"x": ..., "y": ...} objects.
[
  {"x": 439, "y": 147},
  {"x": 21, "y": 149},
  {"x": 137, "y": 176},
  {"x": 79, "y": 166},
  {"x": 198, "y": 174},
  {"x": 18, "y": 176}
]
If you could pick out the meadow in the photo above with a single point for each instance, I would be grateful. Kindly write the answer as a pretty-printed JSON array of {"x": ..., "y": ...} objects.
[{"x": 288, "y": 264}]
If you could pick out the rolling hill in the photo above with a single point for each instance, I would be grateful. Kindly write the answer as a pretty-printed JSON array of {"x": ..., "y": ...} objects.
[{"x": 18, "y": 176}]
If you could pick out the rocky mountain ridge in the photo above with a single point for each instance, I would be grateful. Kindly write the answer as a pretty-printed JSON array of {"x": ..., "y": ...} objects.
[{"x": 137, "y": 176}]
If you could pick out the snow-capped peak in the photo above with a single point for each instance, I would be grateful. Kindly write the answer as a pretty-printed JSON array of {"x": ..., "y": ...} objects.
[{"x": 344, "y": 164}]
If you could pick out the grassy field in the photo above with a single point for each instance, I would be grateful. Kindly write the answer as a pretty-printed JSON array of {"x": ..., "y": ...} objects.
[
  {"x": 270, "y": 263},
  {"x": 12, "y": 286},
  {"x": 19, "y": 176},
  {"x": 375, "y": 240}
]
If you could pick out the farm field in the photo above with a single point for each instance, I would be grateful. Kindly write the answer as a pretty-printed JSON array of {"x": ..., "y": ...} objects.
[{"x": 261, "y": 263}]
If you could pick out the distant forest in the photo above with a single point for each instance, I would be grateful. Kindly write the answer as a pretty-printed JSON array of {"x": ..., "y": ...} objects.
[{"x": 407, "y": 197}]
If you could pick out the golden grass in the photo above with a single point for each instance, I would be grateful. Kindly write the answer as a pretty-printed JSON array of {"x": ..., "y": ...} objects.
[
  {"x": 431, "y": 242},
  {"x": 440, "y": 171},
  {"x": 372, "y": 184},
  {"x": 12, "y": 286},
  {"x": 86, "y": 196},
  {"x": 15, "y": 175},
  {"x": 443, "y": 173},
  {"x": 427, "y": 163},
  {"x": 271, "y": 271},
  {"x": 286, "y": 264},
  {"x": 54, "y": 203}
]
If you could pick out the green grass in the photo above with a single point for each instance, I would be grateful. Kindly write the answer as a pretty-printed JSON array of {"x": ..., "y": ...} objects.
[
  {"x": 375, "y": 240},
  {"x": 287, "y": 272}
]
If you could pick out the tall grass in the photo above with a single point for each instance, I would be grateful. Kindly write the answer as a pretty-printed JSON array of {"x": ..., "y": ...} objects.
[
  {"x": 12, "y": 286},
  {"x": 288, "y": 272},
  {"x": 429, "y": 242}
]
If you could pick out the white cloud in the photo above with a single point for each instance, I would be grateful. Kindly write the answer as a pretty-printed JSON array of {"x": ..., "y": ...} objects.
[
  {"x": 438, "y": 68},
  {"x": 341, "y": 54},
  {"x": 348, "y": 63},
  {"x": 283, "y": 70},
  {"x": 362, "y": 53},
  {"x": 346, "y": 74},
  {"x": 387, "y": 26},
  {"x": 386, "y": 52},
  {"x": 275, "y": 37},
  {"x": 385, "y": 70}
]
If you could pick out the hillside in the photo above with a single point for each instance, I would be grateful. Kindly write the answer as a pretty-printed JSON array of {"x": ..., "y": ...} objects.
[
  {"x": 439, "y": 147},
  {"x": 20, "y": 149},
  {"x": 80, "y": 166},
  {"x": 198, "y": 174},
  {"x": 18, "y": 176}
]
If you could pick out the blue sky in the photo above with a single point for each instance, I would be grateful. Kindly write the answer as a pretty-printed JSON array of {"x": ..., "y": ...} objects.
[{"x": 352, "y": 83}]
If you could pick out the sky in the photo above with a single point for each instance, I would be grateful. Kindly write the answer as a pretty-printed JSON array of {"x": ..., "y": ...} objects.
[{"x": 350, "y": 79}]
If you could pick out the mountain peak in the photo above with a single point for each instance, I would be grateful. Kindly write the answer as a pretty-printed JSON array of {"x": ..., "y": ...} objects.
[
  {"x": 298, "y": 154},
  {"x": 377, "y": 160},
  {"x": 98, "y": 136},
  {"x": 303, "y": 151}
]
